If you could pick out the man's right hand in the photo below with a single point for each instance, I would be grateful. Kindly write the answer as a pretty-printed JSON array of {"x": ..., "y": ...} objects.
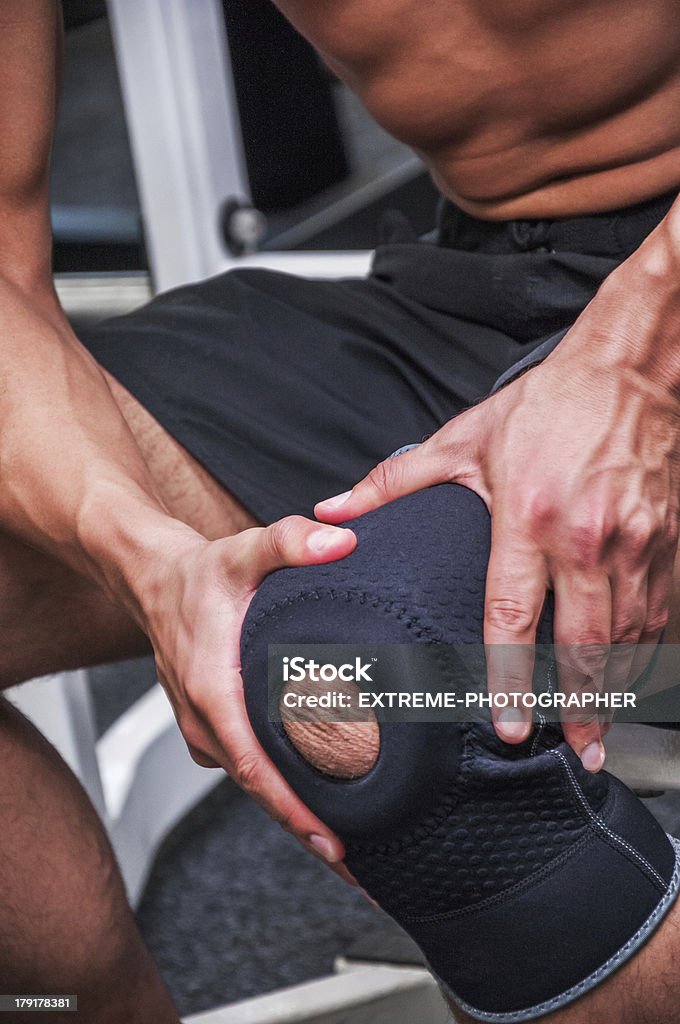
[{"x": 193, "y": 604}]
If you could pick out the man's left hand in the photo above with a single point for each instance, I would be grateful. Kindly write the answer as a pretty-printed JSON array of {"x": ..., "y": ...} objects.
[{"x": 578, "y": 463}]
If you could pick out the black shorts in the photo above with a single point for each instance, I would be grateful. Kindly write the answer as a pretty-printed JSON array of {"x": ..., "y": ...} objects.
[{"x": 289, "y": 390}]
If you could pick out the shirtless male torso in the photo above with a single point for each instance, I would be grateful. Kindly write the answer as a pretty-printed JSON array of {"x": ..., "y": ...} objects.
[{"x": 535, "y": 108}]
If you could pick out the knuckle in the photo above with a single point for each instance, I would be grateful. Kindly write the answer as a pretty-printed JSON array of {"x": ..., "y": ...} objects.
[
  {"x": 453, "y": 442},
  {"x": 280, "y": 534},
  {"x": 247, "y": 772},
  {"x": 384, "y": 477},
  {"x": 657, "y": 621},
  {"x": 589, "y": 657},
  {"x": 583, "y": 726},
  {"x": 539, "y": 510},
  {"x": 509, "y": 614},
  {"x": 628, "y": 631},
  {"x": 639, "y": 532},
  {"x": 285, "y": 820},
  {"x": 587, "y": 542},
  {"x": 512, "y": 682}
]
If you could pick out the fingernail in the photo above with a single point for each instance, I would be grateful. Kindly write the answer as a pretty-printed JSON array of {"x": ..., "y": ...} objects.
[
  {"x": 336, "y": 501},
  {"x": 592, "y": 756},
  {"x": 322, "y": 540},
  {"x": 324, "y": 847},
  {"x": 512, "y": 724}
]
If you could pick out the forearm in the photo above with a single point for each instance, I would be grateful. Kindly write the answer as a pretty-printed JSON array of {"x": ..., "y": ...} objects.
[
  {"x": 73, "y": 480},
  {"x": 634, "y": 320},
  {"x": 30, "y": 56}
]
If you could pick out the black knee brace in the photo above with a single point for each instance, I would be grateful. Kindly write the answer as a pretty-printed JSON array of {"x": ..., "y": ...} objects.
[{"x": 524, "y": 879}]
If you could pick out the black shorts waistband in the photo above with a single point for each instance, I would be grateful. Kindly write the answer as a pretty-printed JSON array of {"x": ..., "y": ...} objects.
[{"x": 615, "y": 233}]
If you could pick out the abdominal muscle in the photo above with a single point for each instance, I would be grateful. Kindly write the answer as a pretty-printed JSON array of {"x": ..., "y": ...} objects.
[{"x": 520, "y": 108}]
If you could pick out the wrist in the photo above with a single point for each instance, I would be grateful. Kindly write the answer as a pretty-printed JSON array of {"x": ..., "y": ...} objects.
[
  {"x": 37, "y": 296},
  {"x": 632, "y": 326},
  {"x": 126, "y": 551}
]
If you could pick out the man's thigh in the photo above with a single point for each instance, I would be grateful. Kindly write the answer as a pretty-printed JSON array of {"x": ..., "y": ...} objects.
[
  {"x": 186, "y": 488},
  {"x": 285, "y": 390}
]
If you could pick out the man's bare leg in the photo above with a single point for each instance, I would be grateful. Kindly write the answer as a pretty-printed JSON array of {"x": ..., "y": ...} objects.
[{"x": 66, "y": 926}]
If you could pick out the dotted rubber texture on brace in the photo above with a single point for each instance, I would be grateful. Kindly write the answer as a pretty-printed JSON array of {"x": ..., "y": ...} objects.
[
  {"x": 506, "y": 864},
  {"x": 501, "y": 820}
]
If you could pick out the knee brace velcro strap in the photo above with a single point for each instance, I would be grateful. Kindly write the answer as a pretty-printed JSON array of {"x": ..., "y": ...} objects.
[{"x": 524, "y": 879}]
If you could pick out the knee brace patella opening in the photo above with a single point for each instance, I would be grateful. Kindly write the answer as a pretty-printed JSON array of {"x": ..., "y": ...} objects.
[{"x": 524, "y": 879}]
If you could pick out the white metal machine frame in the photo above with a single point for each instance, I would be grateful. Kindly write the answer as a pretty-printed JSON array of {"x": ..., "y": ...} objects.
[{"x": 184, "y": 128}]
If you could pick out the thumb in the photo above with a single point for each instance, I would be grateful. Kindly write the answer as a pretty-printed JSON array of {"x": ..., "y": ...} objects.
[
  {"x": 429, "y": 463},
  {"x": 288, "y": 542}
]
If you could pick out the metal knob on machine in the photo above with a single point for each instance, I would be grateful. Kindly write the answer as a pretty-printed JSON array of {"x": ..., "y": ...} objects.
[{"x": 243, "y": 226}]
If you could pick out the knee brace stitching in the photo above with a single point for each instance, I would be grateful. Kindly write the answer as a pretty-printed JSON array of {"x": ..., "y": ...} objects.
[{"x": 516, "y": 923}]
